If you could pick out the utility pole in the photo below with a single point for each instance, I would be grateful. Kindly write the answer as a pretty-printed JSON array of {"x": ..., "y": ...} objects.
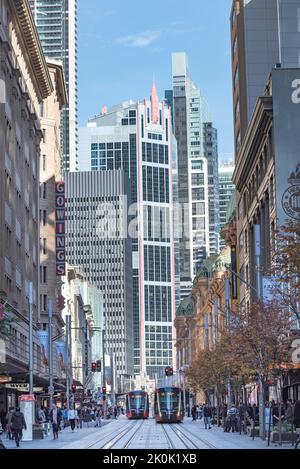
[
  {"x": 68, "y": 360},
  {"x": 228, "y": 314},
  {"x": 50, "y": 355},
  {"x": 259, "y": 298},
  {"x": 30, "y": 340}
]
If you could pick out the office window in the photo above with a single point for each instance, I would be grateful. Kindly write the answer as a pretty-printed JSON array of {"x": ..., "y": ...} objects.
[
  {"x": 236, "y": 78},
  {"x": 198, "y": 179}
]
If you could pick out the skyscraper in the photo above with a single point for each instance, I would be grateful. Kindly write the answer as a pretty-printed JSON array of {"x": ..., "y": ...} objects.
[
  {"x": 197, "y": 172},
  {"x": 56, "y": 22},
  {"x": 96, "y": 217},
  {"x": 226, "y": 189},
  {"x": 264, "y": 33},
  {"x": 137, "y": 137}
]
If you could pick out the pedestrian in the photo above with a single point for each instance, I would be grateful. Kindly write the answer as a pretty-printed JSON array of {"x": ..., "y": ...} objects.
[
  {"x": 268, "y": 417},
  {"x": 207, "y": 413},
  {"x": 17, "y": 425},
  {"x": 72, "y": 418},
  {"x": 224, "y": 415},
  {"x": 289, "y": 412},
  {"x": 194, "y": 413},
  {"x": 65, "y": 416},
  {"x": 231, "y": 422},
  {"x": 79, "y": 417},
  {"x": 276, "y": 410},
  {"x": 42, "y": 419},
  {"x": 8, "y": 420},
  {"x": 98, "y": 418},
  {"x": 296, "y": 418},
  {"x": 200, "y": 412},
  {"x": 115, "y": 412},
  {"x": 55, "y": 419}
]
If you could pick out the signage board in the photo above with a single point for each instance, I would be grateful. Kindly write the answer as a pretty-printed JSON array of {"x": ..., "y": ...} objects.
[
  {"x": 27, "y": 408},
  {"x": 60, "y": 228},
  {"x": 286, "y": 112}
]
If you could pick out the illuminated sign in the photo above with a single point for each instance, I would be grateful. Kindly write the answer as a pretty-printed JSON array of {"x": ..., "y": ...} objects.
[{"x": 60, "y": 229}]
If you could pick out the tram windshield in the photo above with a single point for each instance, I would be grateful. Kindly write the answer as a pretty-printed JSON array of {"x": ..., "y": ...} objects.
[
  {"x": 138, "y": 401},
  {"x": 168, "y": 400}
]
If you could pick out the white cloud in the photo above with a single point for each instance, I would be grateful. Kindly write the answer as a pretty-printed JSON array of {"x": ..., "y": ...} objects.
[{"x": 143, "y": 39}]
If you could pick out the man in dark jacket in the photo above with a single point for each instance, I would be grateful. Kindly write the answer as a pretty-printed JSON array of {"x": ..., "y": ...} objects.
[
  {"x": 207, "y": 413},
  {"x": 17, "y": 425}
]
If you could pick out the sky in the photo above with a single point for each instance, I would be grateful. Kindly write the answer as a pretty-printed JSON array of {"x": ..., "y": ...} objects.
[{"x": 122, "y": 44}]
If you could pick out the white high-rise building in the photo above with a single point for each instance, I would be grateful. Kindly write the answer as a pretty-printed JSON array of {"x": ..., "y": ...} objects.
[{"x": 56, "y": 21}]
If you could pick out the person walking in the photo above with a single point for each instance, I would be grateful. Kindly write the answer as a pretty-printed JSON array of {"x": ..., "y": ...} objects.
[
  {"x": 55, "y": 419},
  {"x": 65, "y": 417},
  {"x": 232, "y": 419},
  {"x": 98, "y": 417},
  {"x": 17, "y": 425},
  {"x": 296, "y": 419},
  {"x": 115, "y": 411},
  {"x": 289, "y": 412},
  {"x": 194, "y": 413},
  {"x": 79, "y": 417},
  {"x": 207, "y": 413},
  {"x": 42, "y": 419},
  {"x": 8, "y": 419},
  {"x": 72, "y": 418}
]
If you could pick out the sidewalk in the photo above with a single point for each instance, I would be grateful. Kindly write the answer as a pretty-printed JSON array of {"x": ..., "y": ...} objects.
[
  {"x": 224, "y": 440},
  {"x": 65, "y": 437}
]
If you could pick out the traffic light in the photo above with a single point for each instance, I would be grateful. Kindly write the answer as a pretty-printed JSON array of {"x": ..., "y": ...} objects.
[
  {"x": 169, "y": 371},
  {"x": 94, "y": 367},
  {"x": 73, "y": 388},
  {"x": 103, "y": 390},
  {"x": 98, "y": 365}
]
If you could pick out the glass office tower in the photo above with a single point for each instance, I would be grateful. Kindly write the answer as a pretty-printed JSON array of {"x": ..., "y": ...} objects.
[{"x": 56, "y": 21}]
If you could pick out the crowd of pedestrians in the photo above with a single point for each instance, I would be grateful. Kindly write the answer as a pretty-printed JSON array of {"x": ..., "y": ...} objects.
[
  {"x": 237, "y": 418},
  {"x": 58, "y": 418}
]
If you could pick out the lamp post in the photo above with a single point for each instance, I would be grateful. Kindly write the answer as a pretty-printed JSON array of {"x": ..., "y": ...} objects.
[
  {"x": 30, "y": 340},
  {"x": 50, "y": 355}
]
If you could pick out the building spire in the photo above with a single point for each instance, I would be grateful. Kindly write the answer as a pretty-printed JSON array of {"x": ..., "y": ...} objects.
[{"x": 154, "y": 104}]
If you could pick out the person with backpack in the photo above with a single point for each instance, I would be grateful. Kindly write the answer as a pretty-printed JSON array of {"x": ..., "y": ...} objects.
[
  {"x": 207, "y": 414},
  {"x": 17, "y": 425}
]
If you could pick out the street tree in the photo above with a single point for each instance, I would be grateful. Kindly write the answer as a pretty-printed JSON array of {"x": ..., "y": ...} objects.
[{"x": 259, "y": 335}]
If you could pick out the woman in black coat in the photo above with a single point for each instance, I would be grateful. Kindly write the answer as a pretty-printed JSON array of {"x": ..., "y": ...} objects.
[{"x": 296, "y": 419}]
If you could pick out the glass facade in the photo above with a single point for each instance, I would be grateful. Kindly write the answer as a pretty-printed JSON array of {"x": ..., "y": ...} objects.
[{"x": 56, "y": 22}]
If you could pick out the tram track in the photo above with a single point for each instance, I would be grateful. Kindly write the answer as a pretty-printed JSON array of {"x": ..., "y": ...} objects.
[
  {"x": 197, "y": 437},
  {"x": 112, "y": 443},
  {"x": 122, "y": 431}
]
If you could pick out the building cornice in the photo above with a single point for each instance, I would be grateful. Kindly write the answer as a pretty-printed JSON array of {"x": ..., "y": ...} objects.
[
  {"x": 60, "y": 81},
  {"x": 31, "y": 48},
  {"x": 259, "y": 122}
]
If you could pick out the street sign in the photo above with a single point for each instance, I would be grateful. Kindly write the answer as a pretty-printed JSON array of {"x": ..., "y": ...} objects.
[{"x": 50, "y": 389}]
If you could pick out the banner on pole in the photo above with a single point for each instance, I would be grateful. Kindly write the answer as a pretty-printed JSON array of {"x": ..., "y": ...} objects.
[
  {"x": 61, "y": 353},
  {"x": 43, "y": 339}
]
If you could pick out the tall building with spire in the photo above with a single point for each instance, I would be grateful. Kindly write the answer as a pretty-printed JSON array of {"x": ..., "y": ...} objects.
[
  {"x": 197, "y": 172},
  {"x": 56, "y": 21},
  {"x": 137, "y": 137}
]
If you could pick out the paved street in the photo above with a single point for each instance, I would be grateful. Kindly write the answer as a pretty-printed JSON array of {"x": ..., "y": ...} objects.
[{"x": 146, "y": 434}]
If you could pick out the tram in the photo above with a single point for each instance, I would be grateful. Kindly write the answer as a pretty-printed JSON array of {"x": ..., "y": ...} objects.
[
  {"x": 137, "y": 405},
  {"x": 168, "y": 405}
]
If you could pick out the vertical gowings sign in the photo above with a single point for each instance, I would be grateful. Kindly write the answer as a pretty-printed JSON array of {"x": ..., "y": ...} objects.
[{"x": 60, "y": 228}]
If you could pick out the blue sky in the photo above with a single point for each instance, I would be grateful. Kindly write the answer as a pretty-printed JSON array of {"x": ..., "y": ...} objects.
[{"x": 122, "y": 43}]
